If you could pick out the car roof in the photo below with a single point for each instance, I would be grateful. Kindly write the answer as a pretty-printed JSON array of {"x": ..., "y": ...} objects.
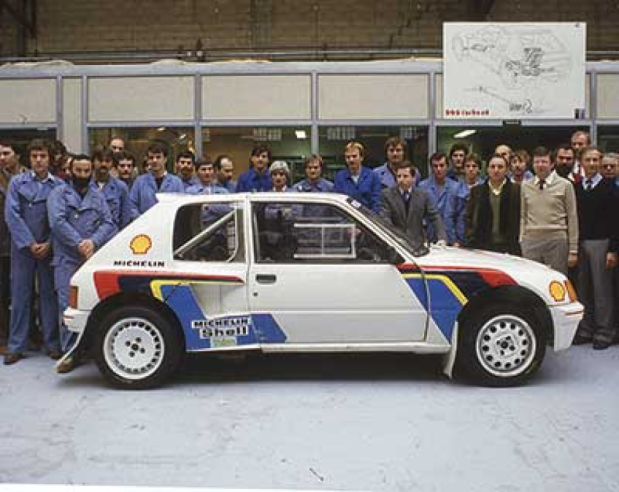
[{"x": 179, "y": 199}]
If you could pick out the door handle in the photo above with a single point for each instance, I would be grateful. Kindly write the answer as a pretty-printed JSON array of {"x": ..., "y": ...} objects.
[{"x": 262, "y": 278}]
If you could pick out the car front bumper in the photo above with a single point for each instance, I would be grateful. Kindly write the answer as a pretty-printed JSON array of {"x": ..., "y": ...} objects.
[
  {"x": 565, "y": 319},
  {"x": 75, "y": 319}
]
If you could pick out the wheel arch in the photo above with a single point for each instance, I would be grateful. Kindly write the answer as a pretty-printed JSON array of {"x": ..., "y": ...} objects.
[{"x": 127, "y": 299}]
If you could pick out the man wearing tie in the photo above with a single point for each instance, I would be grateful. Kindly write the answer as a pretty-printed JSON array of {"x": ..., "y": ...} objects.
[
  {"x": 548, "y": 217},
  {"x": 406, "y": 207}
]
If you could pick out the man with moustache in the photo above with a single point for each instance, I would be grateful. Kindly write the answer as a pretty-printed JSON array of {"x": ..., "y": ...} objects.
[
  {"x": 224, "y": 169},
  {"x": 184, "y": 168},
  {"x": 114, "y": 191}
]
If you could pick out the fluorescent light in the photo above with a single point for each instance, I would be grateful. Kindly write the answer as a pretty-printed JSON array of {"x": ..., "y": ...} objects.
[
  {"x": 161, "y": 129},
  {"x": 465, "y": 133},
  {"x": 301, "y": 134}
]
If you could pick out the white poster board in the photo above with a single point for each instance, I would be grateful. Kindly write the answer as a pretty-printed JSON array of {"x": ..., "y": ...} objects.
[{"x": 512, "y": 70}]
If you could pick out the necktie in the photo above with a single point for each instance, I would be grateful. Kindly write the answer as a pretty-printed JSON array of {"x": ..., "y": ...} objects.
[
  {"x": 542, "y": 182},
  {"x": 589, "y": 184}
]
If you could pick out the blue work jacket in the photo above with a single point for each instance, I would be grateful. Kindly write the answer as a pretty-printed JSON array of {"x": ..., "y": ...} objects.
[
  {"x": 116, "y": 195},
  {"x": 253, "y": 181},
  {"x": 74, "y": 219},
  {"x": 144, "y": 189},
  {"x": 321, "y": 186},
  {"x": 188, "y": 183},
  {"x": 445, "y": 199},
  {"x": 366, "y": 190},
  {"x": 26, "y": 209}
]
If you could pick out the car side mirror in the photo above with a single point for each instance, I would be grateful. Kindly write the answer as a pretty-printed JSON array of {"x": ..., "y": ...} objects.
[{"x": 393, "y": 256}]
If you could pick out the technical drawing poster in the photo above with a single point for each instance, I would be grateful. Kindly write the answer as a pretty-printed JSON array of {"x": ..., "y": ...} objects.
[{"x": 511, "y": 70}]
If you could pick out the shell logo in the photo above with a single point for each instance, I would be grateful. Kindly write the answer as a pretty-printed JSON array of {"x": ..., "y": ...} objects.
[{"x": 140, "y": 244}]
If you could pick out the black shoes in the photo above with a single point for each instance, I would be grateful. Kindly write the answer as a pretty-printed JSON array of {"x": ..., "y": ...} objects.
[
  {"x": 581, "y": 339},
  {"x": 600, "y": 344},
  {"x": 12, "y": 357}
]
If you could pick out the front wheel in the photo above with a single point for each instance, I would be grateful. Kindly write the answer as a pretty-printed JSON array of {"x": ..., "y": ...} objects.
[
  {"x": 137, "y": 348},
  {"x": 501, "y": 346}
]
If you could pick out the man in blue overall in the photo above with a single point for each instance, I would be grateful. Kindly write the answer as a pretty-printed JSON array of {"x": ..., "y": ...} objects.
[
  {"x": 114, "y": 191},
  {"x": 26, "y": 217},
  {"x": 81, "y": 223},
  {"x": 357, "y": 181},
  {"x": 157, "y": 180},
  {"x": 258, "y": 178}
]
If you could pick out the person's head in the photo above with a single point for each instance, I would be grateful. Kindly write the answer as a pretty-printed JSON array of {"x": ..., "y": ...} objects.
[
  {"x": 313, "y": 167},
  {"x": 353, "y": 154},
  {"x": 9, "y": 157},
  {"x": 157, "y": 155},
  {"x": 405, "y": 175},
  {"x": 542, "y": 163},
  {"x": 472, "y": 168},
  {"x": 117, "y": 144},
  {"x": 438, "y": 166},
  {"x": 564, "y": 157},
  {"x": 126, "y": 165},
  {"x": 205, "y": 170},
  {"x": 395, "y": 151},
  {"x": 590, "y": 159},
  {"x": 580, "y": 139},
  {"x": 39, "y": 155},
  {"x": 103, "y": 161},
  {"x": 609, "y": 168},
  {"x": 497, "y": 169},
  {"x": 66, "y": 165},
  {"x": 81, "y": 171},
  {"x": 185, "y": 164},
  {"x": 457, "y": 156},
  {"x": 504, "y": 150},
  {"x": 260, "y": 158},
  {"x": 280, "y": 173},
  {"x": 224, "y": 167},
  {"x": 57, "y": 156},
  {"x": 519, "y": 162}
]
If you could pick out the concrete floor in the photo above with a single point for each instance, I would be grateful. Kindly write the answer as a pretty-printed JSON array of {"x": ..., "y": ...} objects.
[{"x": 319, "y": 422}]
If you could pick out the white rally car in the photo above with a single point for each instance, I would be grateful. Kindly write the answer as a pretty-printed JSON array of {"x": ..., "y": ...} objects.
[{"x": 305, "y": 272}]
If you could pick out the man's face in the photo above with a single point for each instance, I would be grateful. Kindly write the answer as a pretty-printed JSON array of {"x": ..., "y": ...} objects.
[
  {"x": 206, "y": 173},
  {"x": 353, "y": 160},
  {"x": 439, "y": 169},
  {"x": 395, "y": 155},
  {"x": 542, "y": 166},
  {"x": 405, "y": 179},
  {"x": 565, "y": 159},
  {"x": 313, "y": 170},
  {"x": 518, "y": 166},
  {"x": 117, "y": 145},
  {"x": 81, "y": 169},
  {"x": 497, "y": 170},
  {"x": 260, "y": 161},
  {"x": 125, "y": 168},
  {"x": 591, "y": 163},
  {"x": 504, "y": 151},
  {"x": 39, "y": 162},
  {"x": 184, "y": 167},
  {"x": 102, "y": 169},
  {"x": 609, "y": 167},
  {"x": 457, "y": 159},
  {"x": 471, "y": 171},
  {"x": 226, "y": 171},
  {"x": 8, "y": 158},
  {"x": 156, "y": 162},
  {"x": 579, "y": 140}
]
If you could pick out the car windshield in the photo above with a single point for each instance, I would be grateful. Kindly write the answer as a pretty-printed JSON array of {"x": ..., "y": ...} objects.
[{"x": 389, "y": 229}]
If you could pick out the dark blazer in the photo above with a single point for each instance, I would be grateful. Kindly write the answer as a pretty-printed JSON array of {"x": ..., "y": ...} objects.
[
  {"x": 479, "y": 218},
  {"x": 420, "y": 208}
]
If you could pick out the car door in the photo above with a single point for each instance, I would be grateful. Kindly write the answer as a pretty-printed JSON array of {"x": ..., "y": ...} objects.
[{"x": 321, "y": 277}]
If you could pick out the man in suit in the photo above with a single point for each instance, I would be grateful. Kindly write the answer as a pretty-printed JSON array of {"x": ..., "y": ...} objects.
[{"x": 406, "y": 207}]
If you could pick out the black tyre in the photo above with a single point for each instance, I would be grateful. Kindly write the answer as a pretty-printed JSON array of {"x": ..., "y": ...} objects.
[
  {"x": 501, "y": 346},
  {"x": 137, "y": 347}
]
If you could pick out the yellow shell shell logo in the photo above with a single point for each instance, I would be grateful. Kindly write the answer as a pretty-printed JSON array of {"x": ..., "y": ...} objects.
[{"x": 140, "y": 244}]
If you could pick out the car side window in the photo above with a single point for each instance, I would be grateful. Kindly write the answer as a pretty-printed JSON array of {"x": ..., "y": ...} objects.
[
  {"x": 210, "y": 232},
  {"x": 286, "y": 232}
]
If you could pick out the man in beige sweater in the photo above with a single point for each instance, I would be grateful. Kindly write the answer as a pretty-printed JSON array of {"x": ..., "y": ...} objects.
[{"x": 548, "y": 216}]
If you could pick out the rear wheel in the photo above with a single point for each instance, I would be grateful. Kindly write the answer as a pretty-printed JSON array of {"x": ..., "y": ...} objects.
[
  {"x": 137, "y": 348},
  {"x": 501, "y": 346}
]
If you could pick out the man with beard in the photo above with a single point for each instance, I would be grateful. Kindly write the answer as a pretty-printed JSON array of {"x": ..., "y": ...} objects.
[
  {"x": 564, "y": 159},
  {"x": 184, "y": 169},
  {"x": 114, "y": 191},
  {"x": 81, "y": 223},
  {"x": 26, "y": 217}
]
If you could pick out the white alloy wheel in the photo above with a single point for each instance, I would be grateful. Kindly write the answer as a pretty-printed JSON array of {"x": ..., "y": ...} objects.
[{"x": 506, "y": 346}]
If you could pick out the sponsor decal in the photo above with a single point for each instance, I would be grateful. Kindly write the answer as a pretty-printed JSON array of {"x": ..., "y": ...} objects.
[
  {"x": 140, "y": 244},
  {"x": 222, "y": 328},
  {"x": 140, "y": 263}
]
